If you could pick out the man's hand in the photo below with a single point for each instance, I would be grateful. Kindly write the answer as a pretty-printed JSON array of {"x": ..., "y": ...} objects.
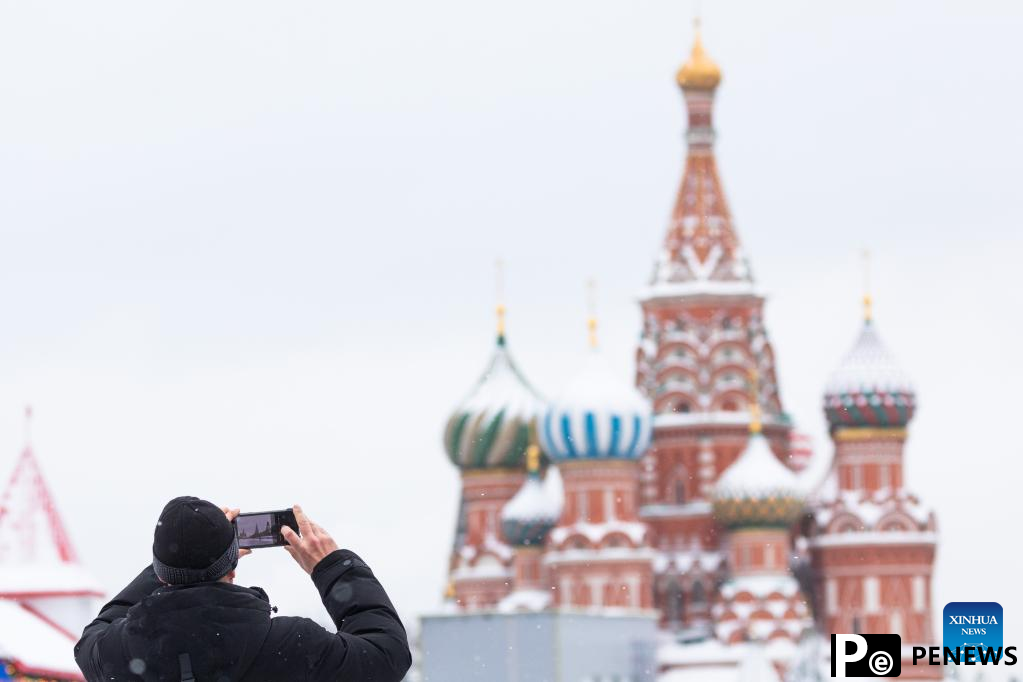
[
  {"x": 231, "y": 514},
  {"x": 313, "y": 545}
]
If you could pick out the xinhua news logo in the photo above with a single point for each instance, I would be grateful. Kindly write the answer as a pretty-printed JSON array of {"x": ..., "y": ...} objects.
[
  {"x": 975, "y": 624},
  {"x": 866, "y": 656}
]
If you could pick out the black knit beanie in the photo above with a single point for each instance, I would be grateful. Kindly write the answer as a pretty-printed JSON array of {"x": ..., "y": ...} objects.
[{"x": 193, "y": 542}]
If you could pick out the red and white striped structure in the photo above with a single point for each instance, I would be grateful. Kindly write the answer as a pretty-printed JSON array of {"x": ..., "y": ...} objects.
[{"x": 46, "y": 595}]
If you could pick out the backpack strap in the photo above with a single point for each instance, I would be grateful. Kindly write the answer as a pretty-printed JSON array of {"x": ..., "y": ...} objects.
[{"x": 185, "y": 661}]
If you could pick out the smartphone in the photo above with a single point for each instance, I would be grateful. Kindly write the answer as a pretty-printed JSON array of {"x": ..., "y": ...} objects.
[{"x": 263, "y": 529}]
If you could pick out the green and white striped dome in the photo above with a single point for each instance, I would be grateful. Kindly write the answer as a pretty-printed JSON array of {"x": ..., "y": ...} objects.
[{"x": 494, "y": 426}]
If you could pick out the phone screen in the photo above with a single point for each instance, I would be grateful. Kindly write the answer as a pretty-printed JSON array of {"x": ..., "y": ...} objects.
[{"x": 263, "y": 529}]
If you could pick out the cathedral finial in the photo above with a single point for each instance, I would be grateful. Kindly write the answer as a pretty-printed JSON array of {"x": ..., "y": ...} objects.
[
  {"x": 533, "y": 459},
  {"x": 591, "y": 318},
  {"x": 699, "y": 72},
  {"x": 28, "y": 426},
  {"x": 868, "y": 300},
  {"x": 499, "y": 282},
  {"x": 755, "y": 419}
]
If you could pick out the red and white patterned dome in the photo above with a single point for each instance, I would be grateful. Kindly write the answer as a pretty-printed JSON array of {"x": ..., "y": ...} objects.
[{"x": 869, "y": 388}]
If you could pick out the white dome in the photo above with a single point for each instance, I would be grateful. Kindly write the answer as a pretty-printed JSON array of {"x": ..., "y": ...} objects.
[
  {"x": 869, "y": 388},
  {"x": 535, "y": 501},
  {"x": 756, "y": 473},
  {"x": 757, "y": 489},
  {"x": 530, "y": 515},
  {"x": 599, "y": 415},
  {"x": 868, "y": 368}
]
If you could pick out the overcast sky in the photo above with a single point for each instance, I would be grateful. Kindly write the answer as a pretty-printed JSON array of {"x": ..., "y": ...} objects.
[{"x": 247, "y": 248}]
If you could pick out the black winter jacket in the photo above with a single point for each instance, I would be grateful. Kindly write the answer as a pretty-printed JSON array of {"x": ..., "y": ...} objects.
[{"x": 218, "y": 632}]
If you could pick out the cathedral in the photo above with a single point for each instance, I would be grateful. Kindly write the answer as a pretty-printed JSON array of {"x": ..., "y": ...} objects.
[{"x": 682, "y": 497}]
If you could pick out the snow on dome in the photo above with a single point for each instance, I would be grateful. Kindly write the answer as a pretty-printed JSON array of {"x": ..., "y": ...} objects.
[
  {"x": 757, "y": 489},
  {"x": 869, "y": 388},
  {"x": 528, "y": 517},
  {"x": 597, "y": 416},
  {"x": 494, "y": 425}
]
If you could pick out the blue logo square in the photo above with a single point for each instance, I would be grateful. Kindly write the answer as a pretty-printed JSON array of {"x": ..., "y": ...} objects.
[{"x": 972, "y": 623}]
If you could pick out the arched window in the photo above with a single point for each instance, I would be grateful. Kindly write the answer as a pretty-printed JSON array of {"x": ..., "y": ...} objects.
[
  {"x": 680, "y": 491},
  {"x": 699, "y": 593},
  {"x": 675, "y": 602},
  {"x": 682, "y": 407}
]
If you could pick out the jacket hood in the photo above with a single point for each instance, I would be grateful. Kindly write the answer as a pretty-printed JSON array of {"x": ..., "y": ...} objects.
[{"x": 220, "y": 626}]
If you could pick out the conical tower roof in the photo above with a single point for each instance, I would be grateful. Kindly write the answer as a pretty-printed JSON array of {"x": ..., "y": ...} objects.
[
  {"x": 702, "y": 254},
  {"x": 36, "y": 554}
]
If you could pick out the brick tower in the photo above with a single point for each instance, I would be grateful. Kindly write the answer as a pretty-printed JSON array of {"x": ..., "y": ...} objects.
[
  {"x": 599, "y": 554},
  {"x": 703, "y": 332},
  {"x": 872, "y": 542},
  {"x": 487, "y": 437},
  {"x": 757, "y": 500}
]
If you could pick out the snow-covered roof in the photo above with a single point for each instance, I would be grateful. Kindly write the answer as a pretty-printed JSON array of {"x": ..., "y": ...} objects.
[
  {"x": 698, "y": 288},
  {"x": 869, "y": 367},
  {"x": 703, "y": 673},
  {"x": 46, "y": 579},
  {"x": 870, "y": 509},
  {"x": 704, "y": 653},
  {"x": 525, "y": 600},
  {"x": 757, "y": 489},
  {"x": 34, "y": 646},
  {"x": 756, "y": 475},
  {"x": 492, "y": 426},
  {"x": 666, "y": 420},
  {"x": 528, "y": 517},
  {"x": 534, "y": 501},
  {"x": 712, "y": 661},
  {"x": 760, "y": 586},
  {"x": 704, "y": 561},
  {"x": 598, "y": 415},
  {"x": 596, "y": 532}
]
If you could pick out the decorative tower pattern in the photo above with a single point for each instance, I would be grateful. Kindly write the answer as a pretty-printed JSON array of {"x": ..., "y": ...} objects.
[
  {"x": 872, "y": 542},
  {"x": 599, "y": 554},
  {"x": 689, "y": 499},
  {"x": 527, "y": 520},
  {"x": 757, "y": 500},
  {"x": 703, "y": 332},
  {"x": 46, "y": 595},
  {"x": 487, "y": 438}
]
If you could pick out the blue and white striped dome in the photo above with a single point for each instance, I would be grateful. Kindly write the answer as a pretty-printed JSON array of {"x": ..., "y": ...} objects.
[{"x": 599, "y": 416}]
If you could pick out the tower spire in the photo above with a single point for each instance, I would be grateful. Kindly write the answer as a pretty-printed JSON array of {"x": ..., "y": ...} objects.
[
  {"x": 28, "y": 426},
  {"x": 591, "y": 306},
  {"x": 28, "y": 513},
  {"x": 755, "y": 421},
  {"x": 868, "y": 300},
  {"x": 700, "y": 72},
  {"x": 499, "y": 295},
  {"x": 701, "y": 245},
  {"x": 533, "y": 460}
]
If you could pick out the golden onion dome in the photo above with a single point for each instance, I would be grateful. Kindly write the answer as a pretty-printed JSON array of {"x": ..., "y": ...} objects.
[{"x": 700, "y": 72}]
